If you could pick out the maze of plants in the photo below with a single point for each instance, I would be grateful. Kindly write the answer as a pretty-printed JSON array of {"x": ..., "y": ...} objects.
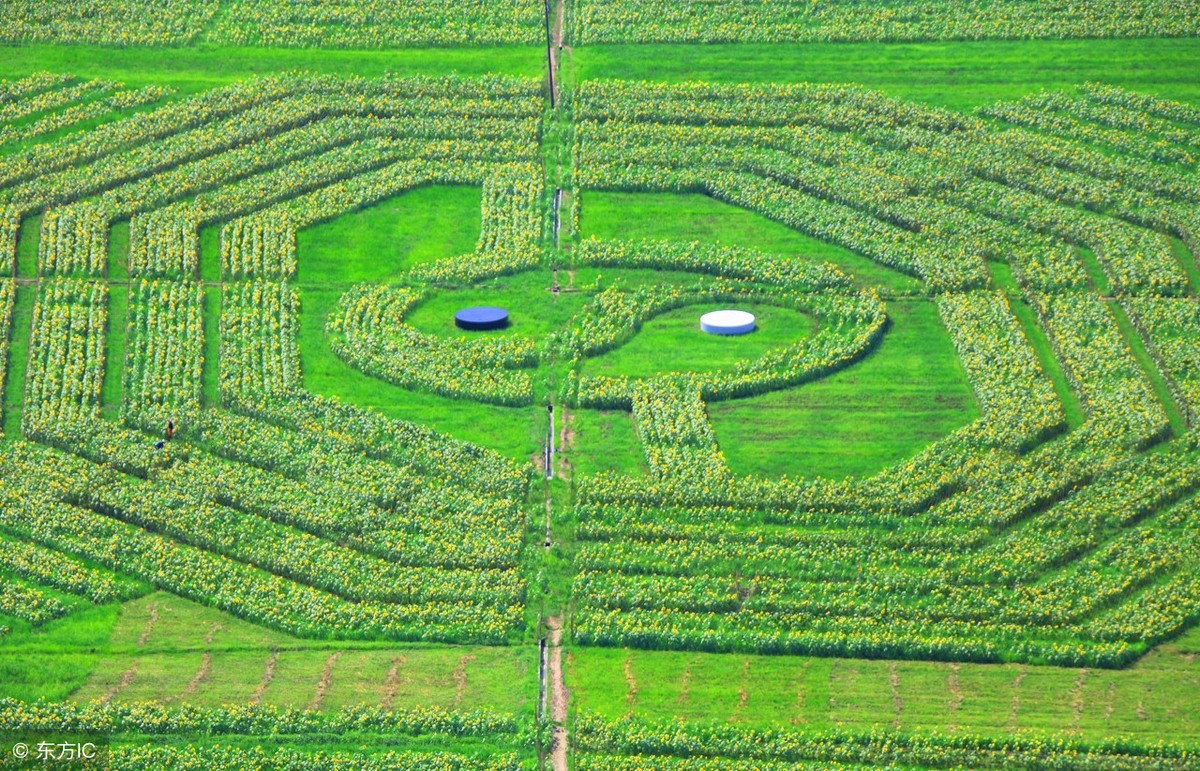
[{"x": 151, "y": 248}]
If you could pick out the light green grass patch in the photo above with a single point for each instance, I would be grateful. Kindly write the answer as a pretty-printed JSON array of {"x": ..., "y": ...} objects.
[
  {"x": 907, "y": 393},
  {"x": 380, "y": 243}
]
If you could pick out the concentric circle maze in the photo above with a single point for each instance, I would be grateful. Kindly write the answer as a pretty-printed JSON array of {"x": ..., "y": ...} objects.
[{"x": 265, "y": 502}]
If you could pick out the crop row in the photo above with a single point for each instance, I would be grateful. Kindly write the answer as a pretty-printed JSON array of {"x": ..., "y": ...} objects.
[
  {"x": 1019, "y": 403},
  {"x": 247, "y": 538},
  {"x": 912, "y": 169},
  {"x": 14, "y": 90},
  {"x": 29, "y": 603},
  {"x": 389, "y": 483},
  {"x": 226, "y": 117},
  {"x": 83, "y": 113},
  {"x": 53, "y": 99},
  {"x": 844, "y": 573},
  {"x": 377, "y": 23},
  {"x": 329, "y": 421},
  {"x": 262, "y": 247},
  {"x": 1079, "y": 119},
  {"x": 51, "y": 568},
  {"x": 1101, "y": 367},
  {"x": 164, "y": 356},
  {"x": 232, "y": 586},
  {"x": 255, "y": 140},
  {"x": 246, "y": 719},
  {"x": 66, "y": 359},
  {"x": 1172, "y": 329},
  {"x": 218, "y": 758},
  {"x": 368, "y": 332},
  {"x": 108, "y": 22},
  {"x": 677, "y": 438},
  {"x": 8, "y": 296},
  {"x": 409, "y": 533},
  {"x": 259, "y": 355},
  {"x": 74, "y": 241},
  {"x": 317, "y": 458},
  {"x": 163, "y": 243},
  {"x": 10, "y": 224},
  {"x": 640, "y": 743},
  {"x": 1151, "y": 105}
]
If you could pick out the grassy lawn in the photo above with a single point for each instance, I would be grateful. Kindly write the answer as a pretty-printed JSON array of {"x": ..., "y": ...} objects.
[
  {"x": 534, "y": 311},
  {"x": 908, "y": 392},
  {"x": 602, "y": 441},
  {"x": 382, "y": 242},
  {"x": 1156, "y": 699},
  {"x": 958, "y": 75}
]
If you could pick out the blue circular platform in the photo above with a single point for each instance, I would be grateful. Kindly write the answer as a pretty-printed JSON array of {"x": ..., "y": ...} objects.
[{"x": 481, "y": 317}]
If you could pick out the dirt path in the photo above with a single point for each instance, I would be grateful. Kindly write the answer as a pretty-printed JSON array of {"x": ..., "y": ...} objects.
[
  {"x": 326, "y": 680},
  {"x": 150, "y": 624},
  {"x": 460, "y": 679},
  {"x": 1015, "y": 707},
  {"x": 558, "y": 694},
  {"x": 392, "y": 685},
  {"x": 956, "y": 697},
  {"x": 201, "y": 675},
  {"x": 267, "y": 677},
  {"x": 897, "y": 700},
  {"x": 1077, "y": 701},
  {"x": 125, "y": 681}
]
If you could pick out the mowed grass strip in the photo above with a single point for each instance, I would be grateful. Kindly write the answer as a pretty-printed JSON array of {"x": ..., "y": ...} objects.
[
  {"x": 164, "y": 648},
  {"x": 673, "y": 342},
  {"x": 958, "y": 75},
  {"x": 196, "y": 69}
]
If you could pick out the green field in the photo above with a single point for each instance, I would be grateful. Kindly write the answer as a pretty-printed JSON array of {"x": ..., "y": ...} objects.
[{"x": 939, "y": 509}]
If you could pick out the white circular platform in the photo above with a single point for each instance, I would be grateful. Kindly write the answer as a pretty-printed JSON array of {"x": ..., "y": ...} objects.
[{"x": 727, "y": 322}]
